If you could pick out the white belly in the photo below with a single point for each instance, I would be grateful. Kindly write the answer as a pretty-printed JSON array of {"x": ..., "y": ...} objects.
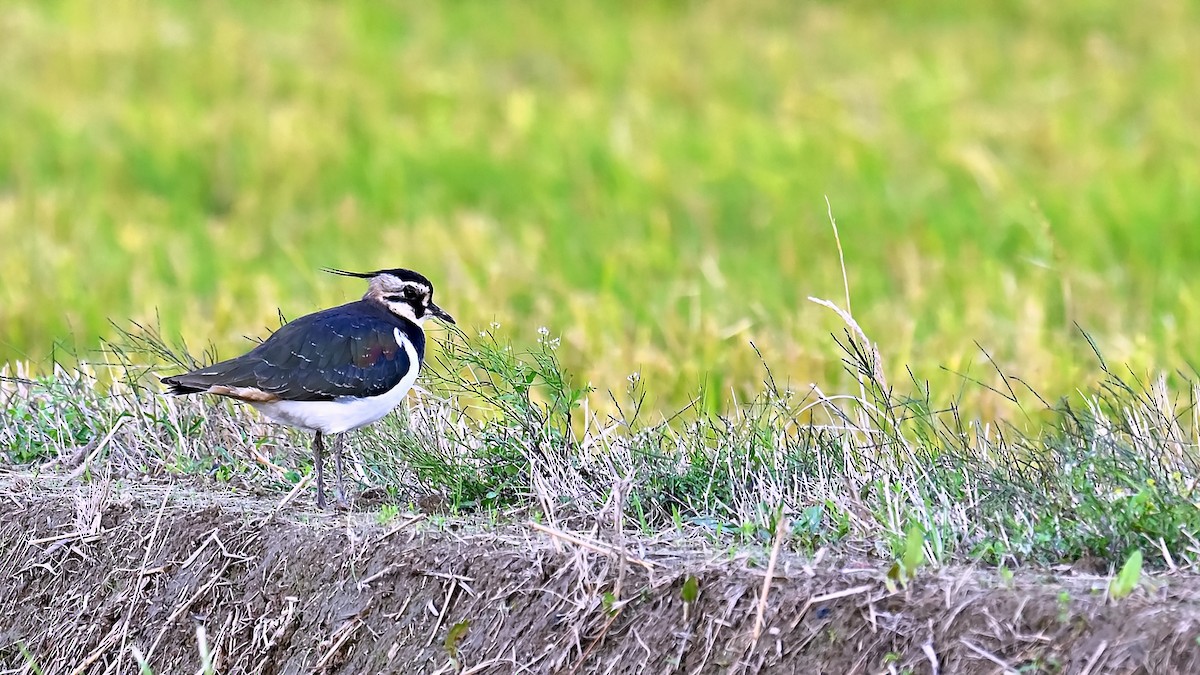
[{"x": 344, "y": 413}]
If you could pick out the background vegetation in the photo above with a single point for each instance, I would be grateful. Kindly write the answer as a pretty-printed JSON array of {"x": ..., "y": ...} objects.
[
  {"x": 646, "y": 179},
  {"x": 627, "y": 206}
]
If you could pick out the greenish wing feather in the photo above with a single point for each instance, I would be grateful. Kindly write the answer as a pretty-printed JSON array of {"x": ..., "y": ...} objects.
[{"x": 319, "y": 357}]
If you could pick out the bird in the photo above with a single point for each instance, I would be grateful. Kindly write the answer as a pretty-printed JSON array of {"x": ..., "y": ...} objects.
[{"x": 335, "y": 370}]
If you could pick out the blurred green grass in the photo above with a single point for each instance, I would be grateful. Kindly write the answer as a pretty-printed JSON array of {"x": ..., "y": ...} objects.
[{"x": 648, "y": 180}]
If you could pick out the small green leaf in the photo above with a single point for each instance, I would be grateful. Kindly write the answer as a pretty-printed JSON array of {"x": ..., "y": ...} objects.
[
  {"x": 894, "y": 577},
  {"x": 811, "y": 521},
  {"x": 455, "y": 635},
  {"x": 691, "y": 589},
  {"x": 914, "y": 551},
  {"x": 1064, "y": 607},
  {"x": 1006, "y": 575},
  {"x": 30, "y": 663},
  {"x": 1128, "y": 578},
  {"x": 609, "y": 601}
]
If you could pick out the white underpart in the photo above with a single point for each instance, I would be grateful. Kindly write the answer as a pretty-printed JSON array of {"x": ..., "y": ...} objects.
[{"x": 346, "y": 412}]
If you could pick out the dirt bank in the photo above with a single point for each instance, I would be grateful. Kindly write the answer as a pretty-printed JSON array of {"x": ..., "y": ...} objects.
[{"x": 93, "y": 577}]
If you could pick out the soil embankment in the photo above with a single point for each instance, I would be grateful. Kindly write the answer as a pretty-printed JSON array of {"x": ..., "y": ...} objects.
[{"x": 92, "y": 578}]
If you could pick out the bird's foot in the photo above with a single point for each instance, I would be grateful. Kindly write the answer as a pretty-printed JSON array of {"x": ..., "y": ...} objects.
[{"x": 341, "y": 502}]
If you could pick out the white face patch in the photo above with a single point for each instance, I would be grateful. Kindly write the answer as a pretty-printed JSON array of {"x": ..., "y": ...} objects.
[
  {"x": 402, "y": 298},
  {"x": 403, "y": 309}
]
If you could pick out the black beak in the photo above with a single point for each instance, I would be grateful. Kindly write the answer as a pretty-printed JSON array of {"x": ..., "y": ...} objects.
[{"x": 440, "y": 313}]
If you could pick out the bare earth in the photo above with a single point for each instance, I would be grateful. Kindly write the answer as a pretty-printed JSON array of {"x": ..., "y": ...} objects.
[{"x": 93, "y": 575}]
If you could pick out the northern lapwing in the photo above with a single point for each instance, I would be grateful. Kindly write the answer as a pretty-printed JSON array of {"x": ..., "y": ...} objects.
[{"x": 333, "y": 371}]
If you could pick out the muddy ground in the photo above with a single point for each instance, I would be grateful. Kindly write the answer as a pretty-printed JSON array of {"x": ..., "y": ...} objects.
[{"x": 94, "y": 577}]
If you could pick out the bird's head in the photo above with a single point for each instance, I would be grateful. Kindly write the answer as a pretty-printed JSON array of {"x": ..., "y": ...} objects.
[{"x": 404, "y": 292}]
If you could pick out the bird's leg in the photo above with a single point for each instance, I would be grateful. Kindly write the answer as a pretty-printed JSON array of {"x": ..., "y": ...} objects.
[
  {"x": 318, "y": 452},
  {"x": 338, "y": 442}
]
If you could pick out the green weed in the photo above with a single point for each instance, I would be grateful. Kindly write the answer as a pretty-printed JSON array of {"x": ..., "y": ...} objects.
[{"x": 498, "y": 427}]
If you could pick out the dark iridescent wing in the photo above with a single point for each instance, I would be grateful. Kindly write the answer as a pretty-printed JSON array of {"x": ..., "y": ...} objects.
[{"x": 350, "y": 350}]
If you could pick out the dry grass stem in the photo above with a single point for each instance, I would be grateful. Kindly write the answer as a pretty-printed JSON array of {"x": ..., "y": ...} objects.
[
  {"x": 441, "y": 617},
  {"x": 401, "y": 527},
  {"x": 1003, "y": 665},
  {"x": 1095, "y": 659},
  {"x": 590, "y": 544},
  {"x": 760, "y": 614},
  {"x": 87, "y": 461}
]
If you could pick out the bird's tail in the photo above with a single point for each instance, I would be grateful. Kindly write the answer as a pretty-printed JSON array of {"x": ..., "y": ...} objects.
[{"x": 176, "y": 387}]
